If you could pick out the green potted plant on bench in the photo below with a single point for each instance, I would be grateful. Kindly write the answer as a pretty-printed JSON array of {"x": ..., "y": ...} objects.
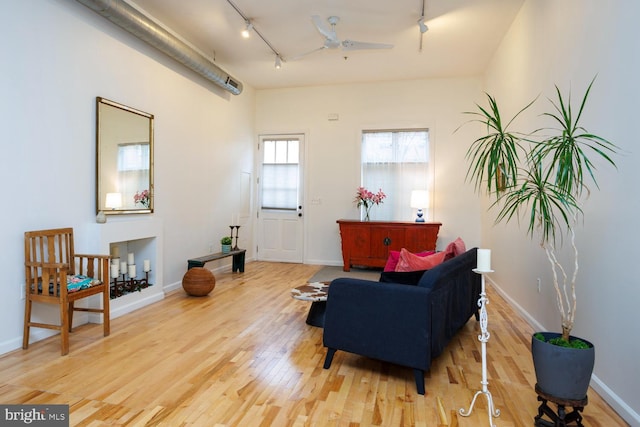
[{"x": 226, "y": 244}]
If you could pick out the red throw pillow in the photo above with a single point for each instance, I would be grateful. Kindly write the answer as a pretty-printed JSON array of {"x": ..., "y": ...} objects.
[
  {"x": 412, "y": 262},
  {"x": 454, "y": 248},
  {"x": 394, "y": 256}
]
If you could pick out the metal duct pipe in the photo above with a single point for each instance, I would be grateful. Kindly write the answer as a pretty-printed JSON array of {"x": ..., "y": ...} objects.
[{"x": 132, "y": 20}]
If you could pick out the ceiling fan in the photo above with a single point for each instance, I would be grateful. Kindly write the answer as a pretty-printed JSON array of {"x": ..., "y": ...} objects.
[{"x": 331, "y": 40}]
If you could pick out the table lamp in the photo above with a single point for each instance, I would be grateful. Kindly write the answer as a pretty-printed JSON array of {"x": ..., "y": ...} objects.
[{"x": 420, "y": 201}]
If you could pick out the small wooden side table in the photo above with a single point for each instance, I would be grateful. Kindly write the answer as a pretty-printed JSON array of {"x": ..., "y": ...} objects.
[{"x": 561, "y": 418}]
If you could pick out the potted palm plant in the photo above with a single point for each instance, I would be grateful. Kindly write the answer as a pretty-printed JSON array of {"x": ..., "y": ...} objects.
[{"x": 542, "y": 176}]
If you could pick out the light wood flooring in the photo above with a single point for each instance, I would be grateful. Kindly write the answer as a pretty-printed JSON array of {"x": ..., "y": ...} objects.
[{"x": 244, "y": 356}]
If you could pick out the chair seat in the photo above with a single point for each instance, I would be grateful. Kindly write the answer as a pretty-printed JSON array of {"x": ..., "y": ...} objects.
[
  {"x": 75, "y": 283},
  {"x": 80, "y": 281}
]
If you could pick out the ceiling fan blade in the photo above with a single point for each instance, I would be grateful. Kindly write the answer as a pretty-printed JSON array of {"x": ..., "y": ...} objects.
[
  {"x": 293, "y": 58},
  {"x": 322, "y": 28},
  {"x": 355, "y": 45}
]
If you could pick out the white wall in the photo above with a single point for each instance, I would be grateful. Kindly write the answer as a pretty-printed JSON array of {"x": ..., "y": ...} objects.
[
  {"x": 567, "y": 43},
  {"x": 333, "y": 149},
  {"x": 57, "y": 57}
]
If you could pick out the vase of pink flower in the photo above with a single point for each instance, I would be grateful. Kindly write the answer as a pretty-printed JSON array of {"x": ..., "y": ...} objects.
[
  {"x": 143, "y": 197},
  {"x": 365, "y": 198}
]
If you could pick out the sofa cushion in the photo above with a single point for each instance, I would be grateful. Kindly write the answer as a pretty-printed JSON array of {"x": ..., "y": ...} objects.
[
  {"x": 454, "y": 248},
  {"x": 412, "y": 262},
  {"x": 394, "y": 257}
]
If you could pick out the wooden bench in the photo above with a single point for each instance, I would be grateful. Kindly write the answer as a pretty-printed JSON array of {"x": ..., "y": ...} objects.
[{"x": 237, "y": 263}]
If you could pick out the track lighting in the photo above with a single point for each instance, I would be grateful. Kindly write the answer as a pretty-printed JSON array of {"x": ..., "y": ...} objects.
[
  {"x": 247, "y": 29},
  {"x": 422, "y": 25}
]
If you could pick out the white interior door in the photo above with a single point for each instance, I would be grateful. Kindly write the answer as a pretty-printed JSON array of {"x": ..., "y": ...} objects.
[{"x": 280, "y": 197}]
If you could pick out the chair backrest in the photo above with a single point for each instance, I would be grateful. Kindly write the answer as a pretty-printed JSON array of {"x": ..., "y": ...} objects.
[{"x": 46, "y": 254}]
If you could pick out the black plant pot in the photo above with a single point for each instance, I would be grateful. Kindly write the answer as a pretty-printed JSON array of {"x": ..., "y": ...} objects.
[{"x": 562, "y": 372}]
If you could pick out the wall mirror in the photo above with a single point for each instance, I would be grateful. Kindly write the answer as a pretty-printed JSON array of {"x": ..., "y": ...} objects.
[{"x": 124, "y": 159}]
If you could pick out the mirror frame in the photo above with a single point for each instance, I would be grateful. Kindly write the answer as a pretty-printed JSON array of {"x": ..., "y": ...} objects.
[{"x": 103, "y": 174}]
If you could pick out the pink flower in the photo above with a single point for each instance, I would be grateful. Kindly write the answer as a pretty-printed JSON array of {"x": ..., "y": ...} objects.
[
  {"x": 367, "y": 199},
  {"x": 143, "y": 197}
]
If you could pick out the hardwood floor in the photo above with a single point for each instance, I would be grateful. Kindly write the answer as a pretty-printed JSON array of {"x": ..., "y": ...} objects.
[{"x": 244, "y": 356}]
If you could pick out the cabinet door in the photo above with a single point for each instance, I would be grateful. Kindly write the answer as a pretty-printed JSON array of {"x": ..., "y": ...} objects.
[
  {"x": 421, "y": 238},
  {"x": 358, "y": 240},
  {"x": 385, "y": 239}
]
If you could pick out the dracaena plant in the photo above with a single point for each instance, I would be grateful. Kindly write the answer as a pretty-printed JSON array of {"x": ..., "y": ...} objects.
[{"x": 541, "y": 177}]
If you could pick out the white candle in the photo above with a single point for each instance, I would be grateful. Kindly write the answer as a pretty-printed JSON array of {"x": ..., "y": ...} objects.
[
  {"x": 123, "y": 267},
  {"x": 115, "y": 270},
  {"x": 130, "y": 259},
  {"x": 146, "y": 265},
  {"x": 132, "y": 270},
  {"x": 484, "y": 260},
  {"x": 115, "y": 261}
]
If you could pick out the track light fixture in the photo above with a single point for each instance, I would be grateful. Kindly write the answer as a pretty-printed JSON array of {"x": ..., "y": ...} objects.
[
  {"x": 247, "y": 29},
  {"x": 247, "y": 32},
  {"x": 422, "y": 25}
]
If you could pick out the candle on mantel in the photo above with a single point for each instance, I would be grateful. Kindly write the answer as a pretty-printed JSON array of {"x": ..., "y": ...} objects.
[
  {"x": 130, "y": 259},
  {"x": 132, "y": 271},
  {"x": 115, "y": 261},
  {"x": 484, "y": 260},
  {"x": 123, "y": 267},
  {"x": 115, "y": 252},
  {"x": 115, "y": 270},
  {"x": 146, "y": 266}
]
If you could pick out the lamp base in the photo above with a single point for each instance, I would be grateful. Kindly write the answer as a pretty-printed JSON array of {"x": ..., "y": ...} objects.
[{"x": 420, "y": 214}]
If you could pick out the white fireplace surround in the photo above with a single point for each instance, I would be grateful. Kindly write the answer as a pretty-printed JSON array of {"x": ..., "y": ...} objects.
[{"x": 143, "y": 235}]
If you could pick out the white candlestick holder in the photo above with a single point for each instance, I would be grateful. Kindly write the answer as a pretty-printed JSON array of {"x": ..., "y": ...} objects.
[{"x": 483, "y": 338}]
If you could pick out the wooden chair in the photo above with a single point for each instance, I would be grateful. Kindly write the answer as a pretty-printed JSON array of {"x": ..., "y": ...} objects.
[{"x": 54, "y": 274}]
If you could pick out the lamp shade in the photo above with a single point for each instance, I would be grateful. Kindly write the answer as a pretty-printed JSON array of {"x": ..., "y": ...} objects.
[
  {"x": 113, "y": 201},
  {"x": 420, "y": 199}
]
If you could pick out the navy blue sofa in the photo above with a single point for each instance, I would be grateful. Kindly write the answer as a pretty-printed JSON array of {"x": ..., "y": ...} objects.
[{"x": 408, "y": 325}]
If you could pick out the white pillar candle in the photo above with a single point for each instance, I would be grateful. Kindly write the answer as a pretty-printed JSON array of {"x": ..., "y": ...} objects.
[
  {"x": 132, "y": 271},
  {"x": 146, "y": 265},
  {"x": 130, "y": 259},
  {"x": 123, "y": 267},
  {"x": 484, "y": 260},
  {"x": 115, "y": 261},
  {"x": 115, "y": 270}
]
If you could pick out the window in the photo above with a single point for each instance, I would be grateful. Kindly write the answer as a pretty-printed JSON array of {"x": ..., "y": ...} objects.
[
  {"x": 133, "y": 169},
  {"x": 398, "y": 162},
  {"x": 280, "y": 170}
]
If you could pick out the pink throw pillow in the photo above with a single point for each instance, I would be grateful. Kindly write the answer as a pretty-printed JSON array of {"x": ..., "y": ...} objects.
[
  {"x": 412, "y": 262},
  {"x": 394, "y": 257},
  {"x": 454, "y": 248}
]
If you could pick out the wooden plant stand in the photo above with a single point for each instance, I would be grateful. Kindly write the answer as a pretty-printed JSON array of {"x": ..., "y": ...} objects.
[{"x": 560, "y": 418}]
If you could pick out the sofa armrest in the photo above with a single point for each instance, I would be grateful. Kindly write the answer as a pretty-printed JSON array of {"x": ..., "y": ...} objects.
[{"x": 385, "y": 321}]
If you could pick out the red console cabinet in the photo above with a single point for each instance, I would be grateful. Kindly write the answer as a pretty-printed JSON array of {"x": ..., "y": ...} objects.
[{"x": 367, "y": 243}]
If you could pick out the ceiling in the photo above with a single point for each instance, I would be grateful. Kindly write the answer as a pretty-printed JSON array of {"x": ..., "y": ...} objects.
[{"x": 462, "y": 36}]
